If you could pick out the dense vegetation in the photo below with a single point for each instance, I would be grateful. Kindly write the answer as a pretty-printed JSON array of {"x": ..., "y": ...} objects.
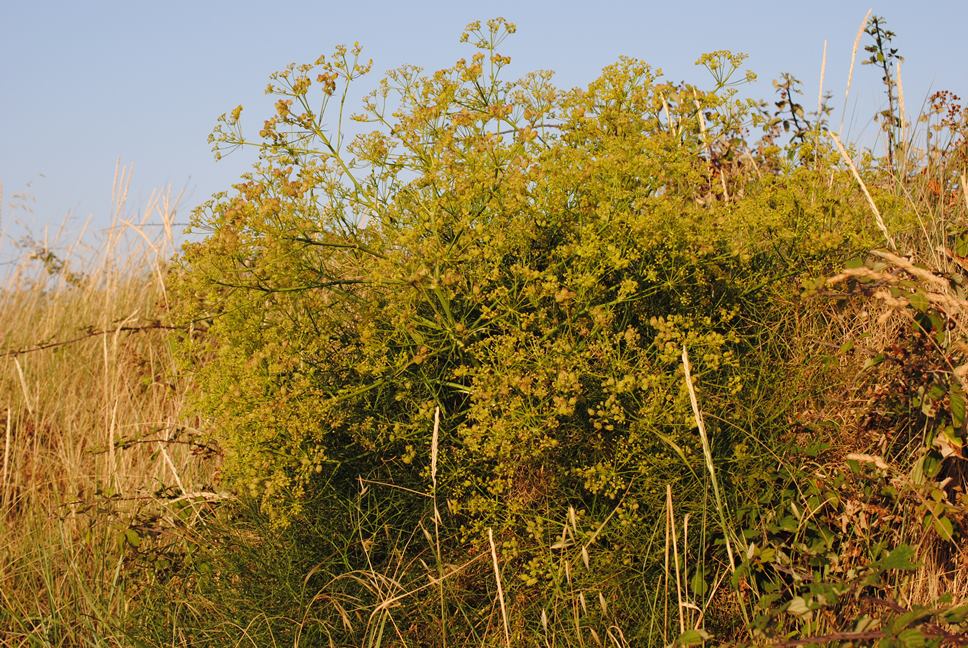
[{"x": 500, "y": 363}]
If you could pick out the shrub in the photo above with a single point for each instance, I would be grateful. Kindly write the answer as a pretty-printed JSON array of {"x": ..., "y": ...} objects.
[{"x": 527, "y": 260}]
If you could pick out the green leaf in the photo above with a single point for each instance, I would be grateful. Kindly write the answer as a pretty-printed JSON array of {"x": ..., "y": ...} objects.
[
  {"x": 917, "y": 472},
  {"x": 931, "y": 463},
  {"x": 956, "y": 615},
  {"x": 912, "y": 637},
  {"x": 910, "y": 618},
  {"x": 953, "y": 436},
  {"x": 694, "y": 637},
  {"x": 919, "y": 301},
  {"x": 798, "y": 607},
  {"x": 789, "y": 523},
  {"x": 901, "y": 558},
  {"x": 956, "y": 398},
  {"x": 132, "y": 537},
  {"x": 943, "y": 527},
  {"x": 698, "y": 583},
  {"x": 961, "y": 246},
  {"x": 876, "y": 360}
]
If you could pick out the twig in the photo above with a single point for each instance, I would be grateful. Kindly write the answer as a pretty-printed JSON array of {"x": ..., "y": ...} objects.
[
  {"x": 93, "y": 332},
  {"x": 208, "y": 496}
]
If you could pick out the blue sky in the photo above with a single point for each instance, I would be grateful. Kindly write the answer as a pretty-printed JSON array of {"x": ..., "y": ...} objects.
[{"x": 86, "y": 83}]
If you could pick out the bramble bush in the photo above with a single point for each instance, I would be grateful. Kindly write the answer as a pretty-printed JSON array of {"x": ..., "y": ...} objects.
[{"x": 531, "y": 262}]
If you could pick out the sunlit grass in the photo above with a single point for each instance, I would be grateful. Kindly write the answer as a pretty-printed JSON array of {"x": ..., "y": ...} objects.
[{"x": 93, "y": 430}]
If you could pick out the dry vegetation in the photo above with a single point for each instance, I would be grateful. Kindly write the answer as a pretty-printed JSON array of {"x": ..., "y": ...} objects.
[
  {"x": 116, "y": 529},
  {"x": 94, "y": 432}
]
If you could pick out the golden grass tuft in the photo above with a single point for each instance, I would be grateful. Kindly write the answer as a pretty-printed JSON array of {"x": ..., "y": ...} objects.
[{"x": 93, "y": 424}]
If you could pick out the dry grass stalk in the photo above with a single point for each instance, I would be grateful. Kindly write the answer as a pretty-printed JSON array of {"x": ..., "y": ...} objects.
[
  {"x": 708, "y": 456},
  {"x": 671, "y": 524},
  {"x": 665, "y": 598},
  {"x": 913, "y": 270},
  {"x": 823, "y": 71},
  {"x": 434, "y": 445},
  {"x": 853, "y": 61},
  {"x": 668, "y": 116},
  {"x": 870, "y": 200},
  {"x": 901, "y": 107},
  {"x": 23, "y": 385},
  {"x": 6, "y": 460},
  {"x": 500, "y": 588},
  {"x": 72, "y": 410},
  {"x": 868, "y": 458}
]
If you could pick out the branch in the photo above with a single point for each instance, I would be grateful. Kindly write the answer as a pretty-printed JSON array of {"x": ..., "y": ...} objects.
[{"x": 92, "y": 332}]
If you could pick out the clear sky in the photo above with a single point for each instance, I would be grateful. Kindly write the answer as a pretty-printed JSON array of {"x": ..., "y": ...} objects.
[{"x": 84, "y": 83}]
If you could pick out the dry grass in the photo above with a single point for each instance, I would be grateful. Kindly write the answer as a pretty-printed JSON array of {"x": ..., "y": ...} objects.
[{"x": 88, "y": 427}]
